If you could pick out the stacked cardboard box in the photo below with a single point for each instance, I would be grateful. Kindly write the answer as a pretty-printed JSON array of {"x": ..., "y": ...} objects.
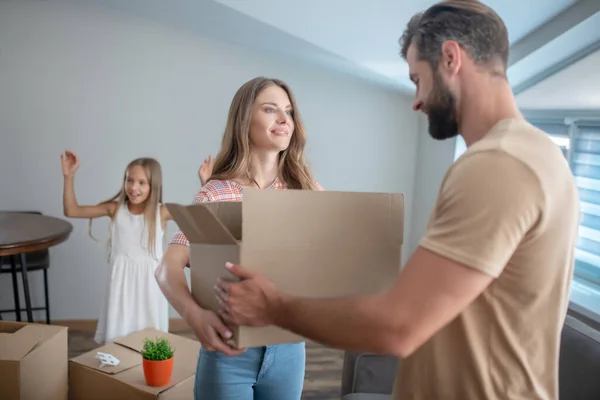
[
  {"x": 89, "y": 381},
  {"x": 33, "y": 361}
]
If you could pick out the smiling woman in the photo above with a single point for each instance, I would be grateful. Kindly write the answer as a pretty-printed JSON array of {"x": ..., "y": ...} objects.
[
  {"x": 264, "y": 121},
  {"x": 263, "y": 146}
]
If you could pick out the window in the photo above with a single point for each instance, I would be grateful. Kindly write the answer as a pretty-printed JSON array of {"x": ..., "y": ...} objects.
[
  {"x": 579, "y": 141},
  {"x": 563, "y": 142},
  {"x": 460, "y": 148},
  {"x": 584, "y": 159}
]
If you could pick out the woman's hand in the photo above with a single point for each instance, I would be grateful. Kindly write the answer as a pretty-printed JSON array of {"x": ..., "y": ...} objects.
[{"x": 212, "y": 332}]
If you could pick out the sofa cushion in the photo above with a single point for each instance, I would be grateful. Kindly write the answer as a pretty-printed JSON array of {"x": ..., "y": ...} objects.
[
  {"x": 366, "y": 396},
  {"x": 579, "y": 361},
  {"x": 368, "y": 373}
]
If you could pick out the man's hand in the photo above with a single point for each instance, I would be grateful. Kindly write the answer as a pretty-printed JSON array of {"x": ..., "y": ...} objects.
[{"x": 253, "y": 302}]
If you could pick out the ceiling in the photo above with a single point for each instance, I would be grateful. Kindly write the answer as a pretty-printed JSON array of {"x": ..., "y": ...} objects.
[
  {"x": 577, "y": 87},
  {"x": 361, "y": 39}
]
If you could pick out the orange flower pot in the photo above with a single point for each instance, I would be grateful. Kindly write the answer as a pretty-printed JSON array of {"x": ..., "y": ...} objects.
[{"x": 158, "y": 373}]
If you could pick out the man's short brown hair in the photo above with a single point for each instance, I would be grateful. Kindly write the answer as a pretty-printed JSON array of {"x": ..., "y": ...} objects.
[{"x": 473, "y": 25}]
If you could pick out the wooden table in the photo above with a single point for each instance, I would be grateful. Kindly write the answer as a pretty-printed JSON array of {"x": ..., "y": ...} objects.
[{"x": 21, "y": 233}]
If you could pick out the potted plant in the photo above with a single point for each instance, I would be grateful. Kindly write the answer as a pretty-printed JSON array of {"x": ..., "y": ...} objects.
[{"x": 157, "y": 358}]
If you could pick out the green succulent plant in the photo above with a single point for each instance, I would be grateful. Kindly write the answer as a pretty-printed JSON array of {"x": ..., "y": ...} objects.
[{"x": 157, "y": 350}]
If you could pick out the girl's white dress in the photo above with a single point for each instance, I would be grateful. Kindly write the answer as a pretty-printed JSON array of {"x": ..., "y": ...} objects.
[{"x": 133, "y": 299}]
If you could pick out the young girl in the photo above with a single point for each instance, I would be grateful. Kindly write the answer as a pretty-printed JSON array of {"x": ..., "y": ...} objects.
[
  {"x": 138, "y": 221},
  {"x": 263, "y": 147}
]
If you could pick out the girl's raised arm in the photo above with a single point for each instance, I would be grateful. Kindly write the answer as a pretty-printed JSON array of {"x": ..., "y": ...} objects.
[{"x": 70, "y": 163}]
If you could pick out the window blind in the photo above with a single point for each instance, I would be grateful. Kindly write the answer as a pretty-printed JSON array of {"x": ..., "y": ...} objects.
[
  {"x": 585, "y": 163},
  {"x": 580, "y": 143}
]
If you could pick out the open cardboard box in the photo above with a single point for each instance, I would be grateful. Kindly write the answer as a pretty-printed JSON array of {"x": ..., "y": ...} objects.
[
  {"x": 33, "y": 361},
  {"x": 87, "y": 381},
  {"x": 308, "y": 243}
]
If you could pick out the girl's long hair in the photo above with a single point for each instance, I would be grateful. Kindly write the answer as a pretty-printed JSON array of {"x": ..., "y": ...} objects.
[
  {"x": 154, "y": 175},
  {"x": 233, "y": 160}
]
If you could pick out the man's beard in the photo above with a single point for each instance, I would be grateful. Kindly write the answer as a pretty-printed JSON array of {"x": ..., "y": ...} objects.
[{"x": 441, "y": 111}]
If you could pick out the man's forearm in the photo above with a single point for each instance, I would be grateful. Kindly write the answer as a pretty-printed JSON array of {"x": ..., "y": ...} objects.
[{"x": 358, "y": 324}]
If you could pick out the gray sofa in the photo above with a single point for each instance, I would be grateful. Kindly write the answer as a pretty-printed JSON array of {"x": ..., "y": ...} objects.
[
  {"x": 368, "y": 376},
  {"x": 371, "y": 377}
]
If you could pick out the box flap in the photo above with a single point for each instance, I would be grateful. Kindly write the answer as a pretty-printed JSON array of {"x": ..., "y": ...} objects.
[
  {"x": 321, "y": 218},
  {"x": 179, "y": 391},
  {"x": 16, "y": 340},
  {"x": 200, "y": 223},
  {"x": 135, "y": 342},
  {"x": 184, "y": 365},
  {"x": 127, "y": 359},
  {"x": 134, "y": 377},
  {"x": 230, "y": 215}
]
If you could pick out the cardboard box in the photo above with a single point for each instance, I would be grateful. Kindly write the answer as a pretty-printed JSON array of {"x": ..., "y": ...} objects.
[
  {"x": 33, "y": 361},
  {"x": 87, "y": 381},
  {"x": 308, "y": 243}
]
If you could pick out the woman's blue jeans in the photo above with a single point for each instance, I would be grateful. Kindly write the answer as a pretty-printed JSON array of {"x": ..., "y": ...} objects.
[{"x": 260, "y": 373}]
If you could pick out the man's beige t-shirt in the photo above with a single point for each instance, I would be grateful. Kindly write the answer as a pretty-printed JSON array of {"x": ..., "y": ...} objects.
[{"x": 509, "y": 208}]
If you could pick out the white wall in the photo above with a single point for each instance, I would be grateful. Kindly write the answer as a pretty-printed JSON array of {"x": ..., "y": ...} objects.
[
  {"x": 434, "y": 157},
  {"x": 113, "y": 88}
]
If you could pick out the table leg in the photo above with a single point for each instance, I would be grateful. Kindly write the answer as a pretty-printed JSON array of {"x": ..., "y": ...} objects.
[
  {"x": 46, "y": 296},
  {"x": 13, "y": 265},
  {"x": 1, "y": 259},
  {"x": 26, "y": 288}
]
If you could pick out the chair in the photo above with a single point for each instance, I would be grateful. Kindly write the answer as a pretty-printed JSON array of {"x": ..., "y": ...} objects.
[{"x": 36, "y": 261}]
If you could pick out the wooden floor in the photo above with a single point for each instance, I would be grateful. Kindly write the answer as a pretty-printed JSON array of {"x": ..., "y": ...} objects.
[{"x": 323, "y": 365}]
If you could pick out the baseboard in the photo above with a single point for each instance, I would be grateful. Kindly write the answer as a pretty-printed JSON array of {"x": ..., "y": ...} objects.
[{"x": 89, "y": 325}]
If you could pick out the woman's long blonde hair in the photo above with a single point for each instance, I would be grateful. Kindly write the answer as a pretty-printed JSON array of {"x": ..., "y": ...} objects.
[
  {"x": 233, "y": 160},
  {"x": 154, "y": 175}
]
